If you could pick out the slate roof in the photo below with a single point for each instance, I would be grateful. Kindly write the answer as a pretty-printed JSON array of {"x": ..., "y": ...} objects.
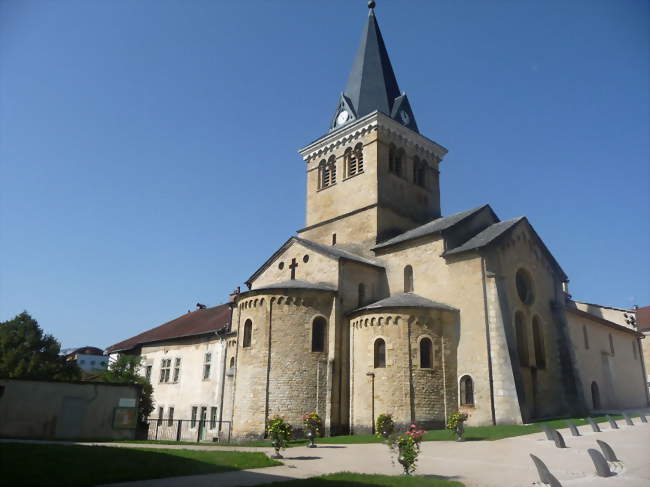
[
  {"x": 372, "y": 85},
  {"x": 298, "y": 284},
  {"x": 434, "y": 226},
  {"x": 328, "y": 250},
  {"x": 406, "y": 300},
  {"x": 485, "y": 237},
  {"x": 197, "y": 322}
]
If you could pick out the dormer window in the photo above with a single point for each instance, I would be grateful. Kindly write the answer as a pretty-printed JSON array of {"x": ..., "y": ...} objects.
[{"x": 327, "y": 173}]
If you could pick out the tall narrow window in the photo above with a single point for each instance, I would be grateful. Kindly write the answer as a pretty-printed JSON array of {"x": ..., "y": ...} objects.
[
  {"x": 522, "y": 339},
  {"x": 595, "y": 395},
  {"x": 170, "y": 416},
  {"x": 350, "y": 162},
  {"x": 419, "y": 172},
  {"x": 585, "y": 337},
  {"x": 213, "y": 418},
  {"x": 358, "y": 153},
  {"x": 177, "y": 369},
  {"x": 194, "y": 413},
  {"x": 380, "y": 353},
  {"x": 392, "y": 154},
  {"x": 318, "y": 333},
  {"x": 399, "y": 160},
  {"x": 408, "y": 279},
  {"x": 331, "y": 164},
  {"x": 161, "y": 411},
  {"x": 147, "y": 373},
  {"x": 248, "y": 334},
  {"x": 362, "y": 294},
  {"x": 232, "y": 362},
  {"x": 426, "y": 353},
  {"x": 466, "y": 391},
  {"x": 611, "y": 344},
  {"x": 538, "y": 340},
  {"x": 206, "y": 365}
]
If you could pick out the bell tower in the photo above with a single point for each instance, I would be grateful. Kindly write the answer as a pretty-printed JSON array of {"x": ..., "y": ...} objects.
[{"x": 373, "y": 175}]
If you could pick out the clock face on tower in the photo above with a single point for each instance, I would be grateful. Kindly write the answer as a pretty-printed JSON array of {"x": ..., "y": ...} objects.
[
  {"x": 405, "y": 117},
  {"x": 342, "y": 117}
]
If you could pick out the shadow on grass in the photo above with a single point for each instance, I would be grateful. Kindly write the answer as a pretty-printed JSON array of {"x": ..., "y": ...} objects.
[
  {"x": 347, "y": 479},
  {"x": 48, "y": 465}
]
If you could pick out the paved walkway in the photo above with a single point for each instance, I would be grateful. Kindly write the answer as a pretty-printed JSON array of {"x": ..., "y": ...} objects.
[{"x": 502, "y": 463}]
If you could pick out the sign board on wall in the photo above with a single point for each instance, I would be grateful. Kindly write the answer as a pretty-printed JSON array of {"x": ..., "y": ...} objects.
[{"x": 125, "y": 418}]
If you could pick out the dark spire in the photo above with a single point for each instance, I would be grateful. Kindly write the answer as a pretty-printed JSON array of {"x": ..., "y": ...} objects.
[{"x": 372, "y": 84}]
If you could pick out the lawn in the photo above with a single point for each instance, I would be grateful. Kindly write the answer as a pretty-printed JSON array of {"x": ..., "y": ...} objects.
[
  {"x": 345, "y": 479},
  {"x": 23, "y": 464}
]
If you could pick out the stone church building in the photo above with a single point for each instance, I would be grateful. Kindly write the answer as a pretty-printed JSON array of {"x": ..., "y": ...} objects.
[{"x": 381, "y": 304}]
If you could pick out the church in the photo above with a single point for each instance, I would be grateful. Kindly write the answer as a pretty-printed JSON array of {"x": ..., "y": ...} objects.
[{"x": 381, "y": 304}]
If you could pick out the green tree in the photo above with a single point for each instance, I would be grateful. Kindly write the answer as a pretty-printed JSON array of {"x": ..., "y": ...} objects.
[
  {"x": 126, "y": 369},
  {"x": 28, "y": 353}
]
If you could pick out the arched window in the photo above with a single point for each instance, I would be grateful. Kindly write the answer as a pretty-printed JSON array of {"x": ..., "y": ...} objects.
[
  {"x": 327, "y": 173},
  {"x": 358, "y": 152},
  {"x": 318, "y": 333},
  {"x": 362, "y": 294},
  {"x": 426, "y": 353},
  {"x": 408, "y": 279},
  {"x": 611, "y": 344},
  {"x": 522, "y": 339},
  {"x": 466, "y": 391},
  {"x": 232, "y": 362},
  {"x": 399, "y": 159},
  {"x": 538, "y": 341},
  {"x": 585, "y": 336},
  {"x": 392, "y": 154},
  {"x": 419, "y": 172},
  {"x": 595, "y": 395},
  {"x": 380, "y": 353},
  {"x": 248, "y": 334}
]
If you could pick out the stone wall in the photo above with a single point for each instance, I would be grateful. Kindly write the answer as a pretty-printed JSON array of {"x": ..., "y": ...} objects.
[
  {"x": 279, "y": 374},
  {"x": 402, "y": 388}
]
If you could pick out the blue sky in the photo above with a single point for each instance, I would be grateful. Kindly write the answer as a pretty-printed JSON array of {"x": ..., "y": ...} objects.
[{"x": 148, "y": 148}]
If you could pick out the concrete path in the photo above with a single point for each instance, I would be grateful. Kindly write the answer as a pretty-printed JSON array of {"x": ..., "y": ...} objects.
[{"x": 502, "y": 463}]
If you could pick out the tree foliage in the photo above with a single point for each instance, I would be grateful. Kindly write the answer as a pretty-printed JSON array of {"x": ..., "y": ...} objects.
[
  {"x": 28, "y": 353},
  {"x": 126, "y": 369}
]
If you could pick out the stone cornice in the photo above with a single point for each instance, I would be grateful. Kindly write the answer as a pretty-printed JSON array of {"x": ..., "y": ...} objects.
[{"x": 375, "y": 121}]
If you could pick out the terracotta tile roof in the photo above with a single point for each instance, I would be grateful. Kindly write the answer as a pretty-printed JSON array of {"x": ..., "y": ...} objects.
[{"x": 197, "y": 322}]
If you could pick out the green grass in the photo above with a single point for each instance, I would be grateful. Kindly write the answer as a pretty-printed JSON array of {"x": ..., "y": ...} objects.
[
  {"x": 346, "y": 479},
  {"x": 23, "y": 464}
]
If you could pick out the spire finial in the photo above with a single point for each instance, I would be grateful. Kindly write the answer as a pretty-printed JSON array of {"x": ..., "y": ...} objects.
[{"x": 371, "y": 4}]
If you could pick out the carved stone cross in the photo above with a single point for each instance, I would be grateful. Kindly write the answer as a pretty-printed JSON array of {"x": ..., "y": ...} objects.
[{"x": 293, "y": 266}]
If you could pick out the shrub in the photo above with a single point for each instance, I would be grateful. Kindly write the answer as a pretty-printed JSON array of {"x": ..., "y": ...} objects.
[
  {"x": 313, "y": 423},
  {"x": 385, "y": 426},
  {"x": 407, "y": 447}
]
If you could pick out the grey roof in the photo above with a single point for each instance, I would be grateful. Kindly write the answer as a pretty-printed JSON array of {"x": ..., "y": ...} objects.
[
  {"x": 298, "y": 284},
  {"x": 372, "y": 84},
  {"x": 406, "y": 300},
  {"x": 337, "y": 252},
  {"x": 433, "y": 226},
  {"x": 486, "y": 236}
]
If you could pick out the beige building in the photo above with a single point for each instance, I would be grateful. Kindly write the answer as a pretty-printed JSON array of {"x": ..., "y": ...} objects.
[{"x": 381, "y": 304}]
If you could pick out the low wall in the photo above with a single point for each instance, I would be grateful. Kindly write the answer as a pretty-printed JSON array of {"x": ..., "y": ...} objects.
[{"x": 67, "y": 410}]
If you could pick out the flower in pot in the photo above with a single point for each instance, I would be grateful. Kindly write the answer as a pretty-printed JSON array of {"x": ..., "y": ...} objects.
[
  {"x": 280, "y": 433},
  {"x": 313, "y": 427},
  {"x": 456, "y": 423},
  {"x": 407, "y": 447}
]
